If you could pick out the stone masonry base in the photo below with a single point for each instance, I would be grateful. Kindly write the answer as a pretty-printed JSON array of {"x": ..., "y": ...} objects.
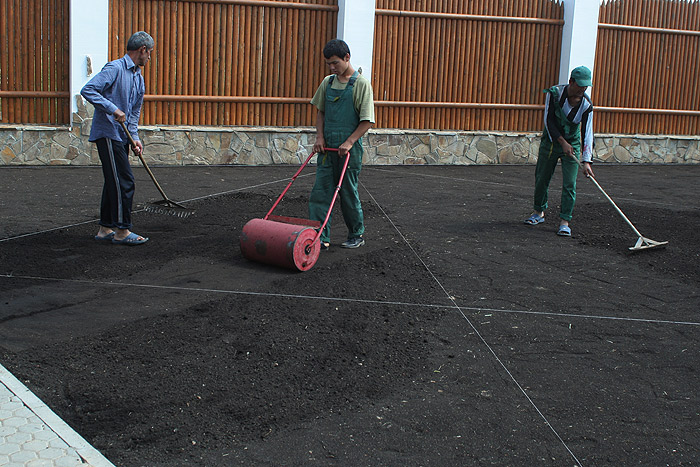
[{"x": 37, "y": 145}]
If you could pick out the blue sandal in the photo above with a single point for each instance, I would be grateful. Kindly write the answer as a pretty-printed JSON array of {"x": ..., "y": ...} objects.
[
  {"x": 564, "y": 231},
  {"x": 534, "y": 219},
  {"x": 105, "y": 238},
  {"x": 131, "y": 239}
]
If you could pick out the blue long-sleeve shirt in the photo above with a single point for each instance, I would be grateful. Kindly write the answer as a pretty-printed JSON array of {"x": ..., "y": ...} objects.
[{"x": 120, "y": 86}]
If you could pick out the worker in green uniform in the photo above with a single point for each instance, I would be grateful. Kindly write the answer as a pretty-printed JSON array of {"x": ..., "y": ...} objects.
[
  {"x": 568, "y": 135},
  {"x": 345, "y": 113}
]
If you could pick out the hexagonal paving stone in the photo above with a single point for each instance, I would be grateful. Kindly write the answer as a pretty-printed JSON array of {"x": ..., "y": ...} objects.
[
  {"x": 7, "y": 448},
  {"x": 39, "y": 463},
  {"x": 57, "y": 442},
  {"x": 69, "y": 461},
  {"x": 35, "y": 445},
  {"x": 48, "y": 436},
  {"x": 31, "y": 428},
  {"x": 24, "y": 412},
  {"x": 14, "y": 421},
  {"x": 52, "y": 453},
  {"x": 12, "y": 404},
  {"x": 18, "y": 438},
  {"x": 22, "y": 456}
]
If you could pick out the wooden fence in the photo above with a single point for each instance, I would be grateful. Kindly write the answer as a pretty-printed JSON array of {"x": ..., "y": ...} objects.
[
  {"x": 34, "y": 62},
  {"x": 477, "y": 65},
  {"x": 228, "y": 62},
  {"x": 221, "y": 62},
  {"x": 647, "y": 71},
  {"x": 438, "y": 64}
]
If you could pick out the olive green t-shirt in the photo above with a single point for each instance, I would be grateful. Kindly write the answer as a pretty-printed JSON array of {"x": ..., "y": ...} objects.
[{"x": 362, "y": 97}]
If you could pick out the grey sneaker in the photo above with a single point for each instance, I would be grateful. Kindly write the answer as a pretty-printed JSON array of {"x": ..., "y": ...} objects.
[{"x": 356, "y": 242}]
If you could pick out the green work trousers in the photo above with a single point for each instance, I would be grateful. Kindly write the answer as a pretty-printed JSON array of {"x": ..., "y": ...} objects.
[
  {"x": 547, "y": 160},
  {"x": 328, "y": 170}
]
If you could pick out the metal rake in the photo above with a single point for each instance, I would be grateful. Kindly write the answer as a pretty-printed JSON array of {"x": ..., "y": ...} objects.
[
  {"x": 166, "y": 205},
  {"x": 643, "y": 243}
]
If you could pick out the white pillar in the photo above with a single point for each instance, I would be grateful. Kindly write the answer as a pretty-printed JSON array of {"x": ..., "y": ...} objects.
[
  {"x": 579, "y": 36},
  {"x": 356, "y": 27},
  {"x": 89, "y": 42}
]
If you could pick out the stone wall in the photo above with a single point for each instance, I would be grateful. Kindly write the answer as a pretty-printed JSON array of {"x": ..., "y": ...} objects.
[{"x": 35, "y": 145}]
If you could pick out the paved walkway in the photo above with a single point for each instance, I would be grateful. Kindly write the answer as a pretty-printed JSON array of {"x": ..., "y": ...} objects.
[{"x": 32, "y": 435}]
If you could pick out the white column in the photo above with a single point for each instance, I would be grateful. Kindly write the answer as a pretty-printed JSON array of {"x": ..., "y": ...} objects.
[
  {"x": 579, "y": 36},
  {"x": 89, "y": 42},
  {"x": 356, "y": 27}
]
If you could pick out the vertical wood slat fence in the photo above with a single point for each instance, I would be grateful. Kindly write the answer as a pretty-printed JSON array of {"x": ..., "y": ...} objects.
[
  {"x": 477, "y": 65},
  {"x": 647, "y": 69},
  {"x": 34, "y": 62},
  {"x": 228, "y": 62}
]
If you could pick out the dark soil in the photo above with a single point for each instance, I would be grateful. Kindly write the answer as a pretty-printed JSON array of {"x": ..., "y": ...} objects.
[{"x": 182, "y": 352}]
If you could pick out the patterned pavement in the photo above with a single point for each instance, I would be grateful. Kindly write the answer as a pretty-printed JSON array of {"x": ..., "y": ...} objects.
[{"x": 32, "y": 435}]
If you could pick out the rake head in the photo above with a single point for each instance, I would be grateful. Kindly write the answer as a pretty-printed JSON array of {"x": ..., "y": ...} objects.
[
  {"x": 644, "y": 243},
  {"x": 170, "y": 208}
]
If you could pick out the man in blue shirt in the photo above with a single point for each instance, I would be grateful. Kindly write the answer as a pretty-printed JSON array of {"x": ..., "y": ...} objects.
[{"x": 117, "y": 94}]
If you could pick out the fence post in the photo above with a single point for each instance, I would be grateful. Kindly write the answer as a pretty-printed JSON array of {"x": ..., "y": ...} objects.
[
  {"x": 89, "y": 43},
  {"x": 579, "y": 36},
  {"x": 356, "y": 27}
]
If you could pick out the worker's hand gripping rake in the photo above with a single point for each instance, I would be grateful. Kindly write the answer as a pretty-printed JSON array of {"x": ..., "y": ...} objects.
[
  {"x": 290, "y": 242},
  {"x": 643, "y": 242},
  {"x": 164, "y": 206}
]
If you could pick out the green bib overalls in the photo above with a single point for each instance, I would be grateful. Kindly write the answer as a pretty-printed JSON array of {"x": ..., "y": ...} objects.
[
  {"x": 340, "y": 121},
  {"x": 549, "y": 154}
]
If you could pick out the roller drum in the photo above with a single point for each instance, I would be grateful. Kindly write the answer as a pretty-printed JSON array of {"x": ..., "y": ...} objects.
[{"x": 287, "y": 245}]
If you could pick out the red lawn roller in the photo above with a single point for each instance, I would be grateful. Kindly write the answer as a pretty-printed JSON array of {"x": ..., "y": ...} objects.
[{"x": 289, "y": 242}]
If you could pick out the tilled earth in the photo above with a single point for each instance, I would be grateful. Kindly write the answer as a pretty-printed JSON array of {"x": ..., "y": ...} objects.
[{"x": 455, "y": 336}]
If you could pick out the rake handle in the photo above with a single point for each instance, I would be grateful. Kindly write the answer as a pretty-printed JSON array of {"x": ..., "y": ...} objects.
[
  {"x": 619, "y": 211},
  {"x": 143, "y": 161}
]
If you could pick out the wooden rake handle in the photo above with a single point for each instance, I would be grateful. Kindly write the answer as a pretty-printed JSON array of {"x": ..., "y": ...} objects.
[
  {"x": 143, "y": 161},
  {"x": 619, "y": 211}
]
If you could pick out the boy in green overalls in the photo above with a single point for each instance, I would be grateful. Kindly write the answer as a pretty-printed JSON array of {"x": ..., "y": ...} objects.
[
  {"x": 345, "y": 113},
  {"x": 568, "y": 119}
]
